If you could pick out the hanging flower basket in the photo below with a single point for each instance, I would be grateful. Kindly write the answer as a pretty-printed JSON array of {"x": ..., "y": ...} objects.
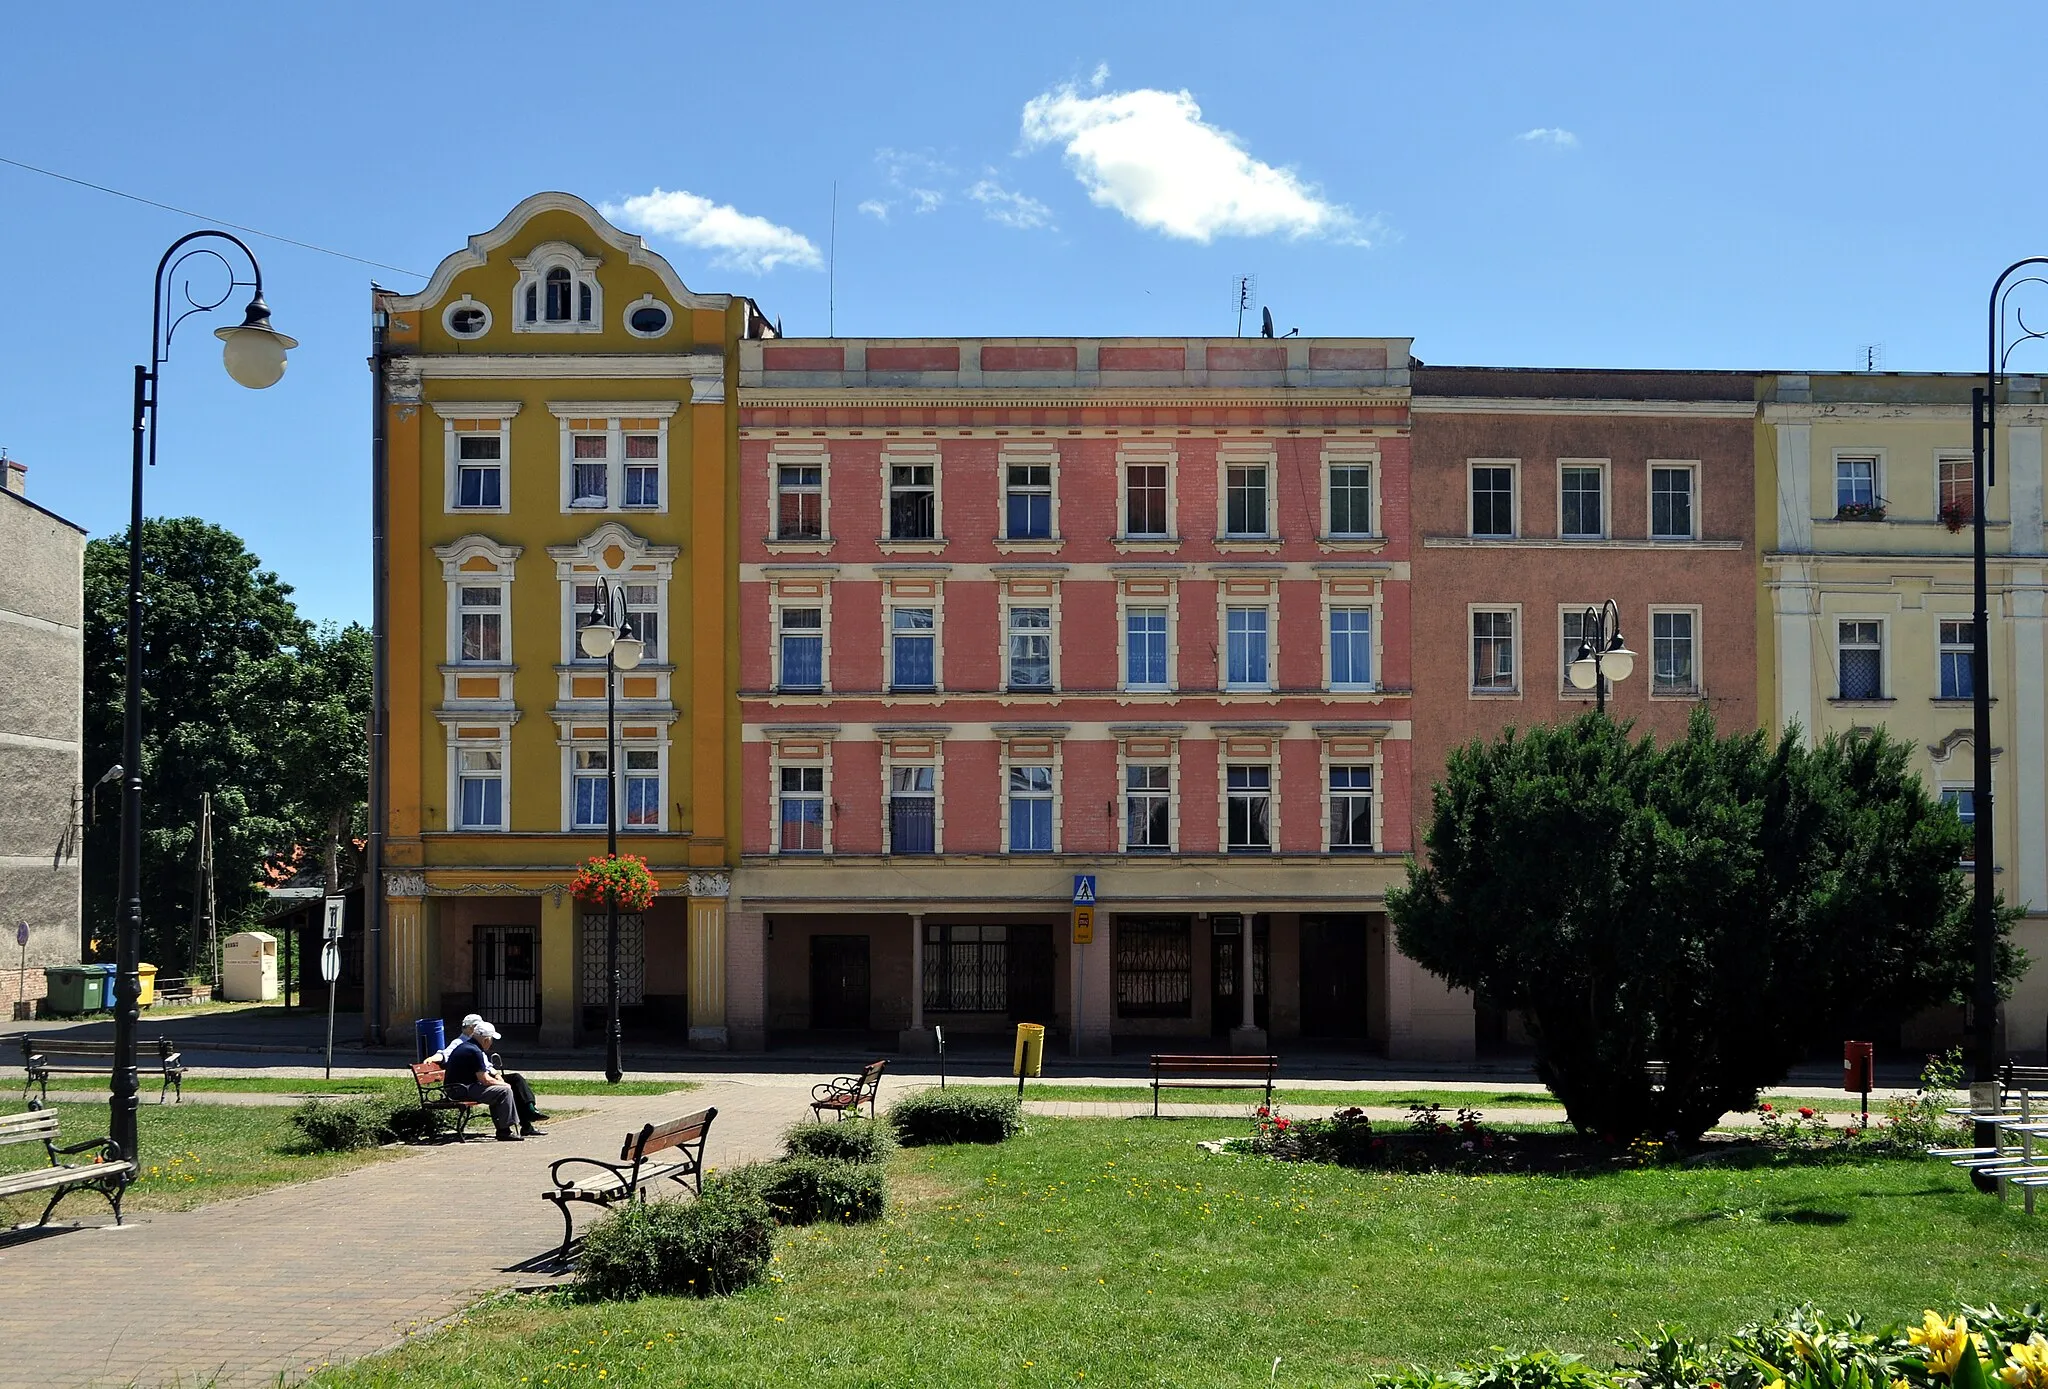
[
  {"x": 1955, "y": 516},
  {"x": 600, "y": 882}
]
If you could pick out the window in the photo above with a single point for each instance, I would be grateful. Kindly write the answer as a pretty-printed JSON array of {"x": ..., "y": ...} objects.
[
  {"x": 802, "y": 810},
  {"x": 799, "y": 502},
  {"x": 1963, "y": 800},
  {"x": 803, "y": 649},
  {"x": 1244, "y": 492},
  {"x": 647, "y": 317},
  {"x": 1671, "y": 504},
  {"x": 1145, "y": 648},
  {"x": 643, "y": 615},
  {"x": 1956, "y": 500},
  {"x": 590, "y": 473},
  {"x": 1245, "y": 637},
  {"x": 1493, "y": 651},
  {"x": 1351, "y": 499},
  {"x": 913, "y": 502},
  {"x": 643, "y": 789},
  {"x": 1148, "y": 823},
  {"x": 1027, "y": 503},
  {"x": 913, "y": 637},
  {"x": 1145, "y": 512},
  {"x": 1350, "y": 648},
  {"x": 560, "y": 289},
  {"x": 479, "y": 468},
  {"x": 1672, "y": 668},
  {"x": 466, "y": 318},
  {"x": 1250, "y": 811},
  {"x": 643, "y": 470},
  {"x": 1030, "y": 810},
  {"x": 480, "y": 791},
  {"x": 911, "y": 811},
  {"x": 1860, "y": 647},
  {"x": 1577, "y": 631},
  {"x": 1493, "y": 501},
  {"x": 1030, "y": 648},
  {"x": 967, "y": 969},
  {"x": 589, "y": 778},
  {"x": 1855, "y": 484},
  {"x": 1154, "y": 967},
  {"x": 1580, "y": 513},
  {"x": 1958, "y": 647},
  {"x": 1350, "y": 809},
  {"x": 483, "y": 622}
]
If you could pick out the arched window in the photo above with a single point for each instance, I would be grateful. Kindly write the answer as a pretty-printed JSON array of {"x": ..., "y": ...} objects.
[
  {"x": 532, "y": 303},
  {"x": 558, "y": 294},
  {"x": 583, "y": 302}
]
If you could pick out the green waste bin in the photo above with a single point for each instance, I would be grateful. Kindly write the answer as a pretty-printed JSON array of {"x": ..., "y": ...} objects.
[
  {"x": 106, "y": 989},
  {"x": 71, "y": 989}
]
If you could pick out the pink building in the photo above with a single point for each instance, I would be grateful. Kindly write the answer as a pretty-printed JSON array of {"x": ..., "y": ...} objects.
[{"x": 1019, "y": 612}]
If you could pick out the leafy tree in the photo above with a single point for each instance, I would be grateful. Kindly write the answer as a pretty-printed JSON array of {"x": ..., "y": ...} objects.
[
  {"x": 240, "y": 698},
  {"x": 1718, "y": 905},
  {"x": 326, "y": 750}
]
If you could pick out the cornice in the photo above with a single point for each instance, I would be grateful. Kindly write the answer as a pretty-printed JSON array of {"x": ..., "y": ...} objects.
[
  {"x": 1467, "y": 542},
  {"x": 1565, "y": 405},
  {"x": 559, "y": 366},
  {"x": 998, "y": 398},
  {"x": 1800, "y": 412}
]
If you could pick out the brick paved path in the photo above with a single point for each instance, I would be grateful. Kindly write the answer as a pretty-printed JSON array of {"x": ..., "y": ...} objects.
[{"x": 245, "y": 1291}]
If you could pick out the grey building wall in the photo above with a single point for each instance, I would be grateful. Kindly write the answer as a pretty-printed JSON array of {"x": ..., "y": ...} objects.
[{"x": 42, "y": 728}]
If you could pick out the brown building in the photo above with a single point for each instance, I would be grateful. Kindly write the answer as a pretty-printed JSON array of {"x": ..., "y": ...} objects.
[{"x": 1539, "y": 494}]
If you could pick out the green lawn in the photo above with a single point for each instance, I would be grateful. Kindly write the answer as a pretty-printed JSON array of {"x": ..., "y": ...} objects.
[
  {"x": 1483, "y": 1100},
  {"x": 399, "y": 1085},
  {"x": 1116, "y": 1252},
  {"x": 192, "y": 1154}
]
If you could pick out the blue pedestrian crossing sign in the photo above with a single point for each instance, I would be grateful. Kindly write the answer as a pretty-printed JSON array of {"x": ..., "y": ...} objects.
[{"x": 1084, "y": 889}]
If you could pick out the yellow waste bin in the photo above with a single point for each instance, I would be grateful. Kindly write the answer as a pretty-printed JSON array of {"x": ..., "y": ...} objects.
[
  {"x": 145, "y": 981},
  {"x": 1030, "y": 1058}
]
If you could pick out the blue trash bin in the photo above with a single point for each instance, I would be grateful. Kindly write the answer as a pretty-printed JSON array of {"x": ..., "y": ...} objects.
[{"x": 429, "y": 1035}]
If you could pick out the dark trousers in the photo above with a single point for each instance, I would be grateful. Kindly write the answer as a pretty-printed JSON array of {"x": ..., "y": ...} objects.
[{"x": 522, "y": 1096}]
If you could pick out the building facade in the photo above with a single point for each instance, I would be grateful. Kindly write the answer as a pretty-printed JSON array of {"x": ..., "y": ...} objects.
[
  {"x": 555, "y": 412},
  {"x": 1017, "y": 611},
  {"x": 42, "y": 736},
  {"x": 1865, "y": 498},
  {"x": 1540, "y": 494}
]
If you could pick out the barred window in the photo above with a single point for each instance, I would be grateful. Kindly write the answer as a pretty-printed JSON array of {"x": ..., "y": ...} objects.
[
  {"x": 967, "y": 969},
  {"x": 1154, "y": 967}
]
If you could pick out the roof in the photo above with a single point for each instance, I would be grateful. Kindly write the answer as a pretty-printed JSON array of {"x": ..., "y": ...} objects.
[{"x": 38, "y": 506}]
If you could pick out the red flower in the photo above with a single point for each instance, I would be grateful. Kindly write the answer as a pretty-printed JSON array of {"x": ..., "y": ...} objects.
[
  {"x": 1279, "y": 1123},
  {"x": 1853, "y": 1133},
  {"x": 1805, "y": 1113},
  {"x": 1765, "y": 1108},
  {"x": 1264, "y": 1111}
]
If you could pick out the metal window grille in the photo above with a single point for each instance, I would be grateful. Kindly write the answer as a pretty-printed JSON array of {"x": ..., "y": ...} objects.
[
  {"x": 1154, "y": 967},
  {"x": 632, "y": 959},
  {"x": 967, "y": 969},
  {"x": 1860, "y": 647}
]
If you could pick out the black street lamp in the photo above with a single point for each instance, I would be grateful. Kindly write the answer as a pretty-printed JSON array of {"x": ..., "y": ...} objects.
[
  {"x": 1984, "y": 447},
  {"x": 610, "y": 634},
  {"x": 254, "y": 356},
  {"x": 1603, "y": 655}
]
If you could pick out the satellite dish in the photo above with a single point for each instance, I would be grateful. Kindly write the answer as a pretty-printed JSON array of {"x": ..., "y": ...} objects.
[{"x": 1265, "y": 323}]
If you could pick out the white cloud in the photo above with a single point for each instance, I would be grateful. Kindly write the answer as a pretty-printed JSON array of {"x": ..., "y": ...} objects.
[
  {"x": 1553, "y": 136},
  {"x": 1149, "y": 155},
  {"x": 1011, "y": 209},
  {"x": 876, "y": 208},
  {"x": 912, "y": 173},
  {"x": 736, "y": 239}
]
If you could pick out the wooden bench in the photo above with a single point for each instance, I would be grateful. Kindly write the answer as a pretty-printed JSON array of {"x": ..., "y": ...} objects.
[
  {"x": 108, "y": 1174},
  {"x": 47, "y": 1056},
  {"x": 629, "y": 1177},
  {"x": 431, "y": 1081},
  {"x": 844, "y": 1095},
  {"x": 1175, "y": 1071}
]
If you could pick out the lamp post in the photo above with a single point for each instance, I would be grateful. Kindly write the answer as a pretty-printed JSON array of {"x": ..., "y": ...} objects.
[
  {"x": 1984, "y": 448},
  {"x": 1603, "y": 655},
  {"x": 610, "y": 634},
  {"x": 254, "y": 355}
]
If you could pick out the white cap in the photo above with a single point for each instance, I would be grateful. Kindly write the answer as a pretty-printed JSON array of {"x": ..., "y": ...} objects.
[
  {"x": 470, "y": 1021},
  {"x": 484, "y": 1029}
]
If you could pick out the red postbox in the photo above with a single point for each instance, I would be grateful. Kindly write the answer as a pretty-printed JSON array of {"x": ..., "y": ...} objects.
[{"x": 1859, "y": 1067}]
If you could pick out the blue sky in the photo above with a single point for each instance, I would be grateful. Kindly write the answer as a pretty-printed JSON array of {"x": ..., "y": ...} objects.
[{"x": 1571, "y": 185}]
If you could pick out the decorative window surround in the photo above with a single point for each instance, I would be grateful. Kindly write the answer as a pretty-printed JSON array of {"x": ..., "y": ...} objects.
[
  {"x": 613, "y": 554},
  {"x": 531, "y": 293},
  {"x": 1027, "y": 454},
  {"x": 1362, "y": 454},
  {"x": 1037, "y": 748},
  {"x": 798, "y": 747},
  {"x": 1671, "y": 533},
  {"x": 1031, "y": 590},
  {"x": 1143, "y": 454},
  {"x": 1147, "y": 749},
  {"x": 1239, "y": 751},
  {"x": 1693, "y": 626},
  {"x": 476, "y": 750},
  {"x": 799, "y": 455},
  {"x": 900, "y": 455},
  {"x": 914, "y": 747},
  {"x": 1247, "y": 590},
  {"x": 913, "y": 594},
  {"x": 615, "y": 420},
  {"x": 477, "y": 561},
  {"x": 1256, "y": 460},
  {"x": 466, "y": 319},
  {"x": 1355, "y": 592},
  {"x": 1573, "y": 528},
  {"x": 633, "y": 739},
  {"x": 805, "y": 592},
  {"x": 639, "y": 308},
  {"x": 476, "y": 420},
  {"x": 1147, "y": 592},
  {"x": 1343, "y": 747}
]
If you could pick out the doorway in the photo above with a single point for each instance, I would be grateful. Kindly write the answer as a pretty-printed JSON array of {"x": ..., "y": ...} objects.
[
  {"x": 1335, "y": 976},
  {"x": 506, "y": 991},
  {"x": 1227, "y": 933},
  {"x": 1030, "y": 974},
  {"x": 839, "y": 983}
]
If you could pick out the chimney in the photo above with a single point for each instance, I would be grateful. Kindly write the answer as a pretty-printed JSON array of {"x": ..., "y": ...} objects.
[{"x": 16, "y": 480}]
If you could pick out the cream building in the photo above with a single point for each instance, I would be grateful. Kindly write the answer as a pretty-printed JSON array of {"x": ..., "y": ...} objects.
[{"x": 1863, "y": 517}]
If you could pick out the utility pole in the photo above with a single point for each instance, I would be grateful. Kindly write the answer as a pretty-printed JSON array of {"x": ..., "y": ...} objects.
[{"x": 203, "y": 927}]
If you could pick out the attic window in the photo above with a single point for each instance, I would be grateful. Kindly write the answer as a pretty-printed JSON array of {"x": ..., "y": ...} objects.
[
  {"x": 647, "y": 317},
  {"x": 558, "y": 291},
  {"x": 466, "y": 318},
  {"x": 558, "y": 294}
]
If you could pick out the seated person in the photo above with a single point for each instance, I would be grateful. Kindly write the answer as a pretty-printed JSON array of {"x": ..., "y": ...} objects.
[
  {"x": 469, "y": 1026},
  {"x": 468, "y": 1076},
  {"x": 486, "y": 1036}
]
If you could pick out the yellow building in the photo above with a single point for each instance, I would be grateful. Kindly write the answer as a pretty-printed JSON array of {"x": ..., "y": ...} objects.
[
  {"x": 554, "y": 410},
  {"x": 1863, "y": 518}
]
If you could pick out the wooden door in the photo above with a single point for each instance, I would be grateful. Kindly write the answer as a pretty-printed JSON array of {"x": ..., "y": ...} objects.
[{"x": 839, "y": 983}]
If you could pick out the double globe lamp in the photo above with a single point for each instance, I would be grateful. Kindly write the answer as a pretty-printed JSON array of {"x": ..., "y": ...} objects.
[
  {"x": 1600, "y": 660},
  {"x": 610, "y": 636}
]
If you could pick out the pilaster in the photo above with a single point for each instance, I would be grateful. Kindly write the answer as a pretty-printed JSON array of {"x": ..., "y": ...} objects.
[
  {"x": 557, "y": 970},
  {"x": 708, "y": 894}
]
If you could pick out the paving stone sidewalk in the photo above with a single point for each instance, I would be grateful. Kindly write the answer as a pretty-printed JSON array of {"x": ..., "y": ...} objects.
[{"x": 275, "y": 1285}]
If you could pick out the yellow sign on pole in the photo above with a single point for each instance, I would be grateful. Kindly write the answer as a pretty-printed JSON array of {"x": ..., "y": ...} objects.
[{"x": 1084, "y": 925}]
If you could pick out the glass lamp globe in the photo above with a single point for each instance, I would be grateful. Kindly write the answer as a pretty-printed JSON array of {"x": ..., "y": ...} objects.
[
  {"x": 627, "y": 651},
  {"x": 596, "y": 639},
  {"x": 254, "y": 352},
  {"x": 1581, "y": 672},
  {"x": 1618, "y": 661}
]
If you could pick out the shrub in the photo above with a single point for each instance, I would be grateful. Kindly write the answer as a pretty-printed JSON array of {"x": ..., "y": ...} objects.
[
  {"x": 411, "y": 1124},
  {"x": 849, "y": 1140},
  {"x": 717, "y": 1244},
  {"x": 955, "y": 1116},
  {"x": 342, "y": 1126},
  {"x": 804, "y": 1190}
]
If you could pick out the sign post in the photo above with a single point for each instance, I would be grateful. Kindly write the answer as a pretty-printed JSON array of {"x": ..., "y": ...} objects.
[
  {"x": 21, "y": 989},
  {"x": 330, "y": 965},
  {"x": 1084, "y": 934}
]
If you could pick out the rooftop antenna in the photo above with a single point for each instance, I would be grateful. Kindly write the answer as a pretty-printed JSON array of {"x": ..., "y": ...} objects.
[
  {"x": 1872, "y": 354},
  {"x": 832, "y": 269},
  {"x": 1243, "y": 288}
]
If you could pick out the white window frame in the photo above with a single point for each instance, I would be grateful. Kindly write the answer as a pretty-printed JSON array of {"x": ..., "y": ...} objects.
[
  {"x": 1650, "y": 470},
  {"x": 643, "y": 302},
  {"x": 1699, "y": 671},
  {"x": 1565, "y": 688},
  {"x": 890, "y": 605},
  {"x": 776, "y": 820},
  {"x": 501, "y": 744},
  {"x": 1370, "y": 606},
  {"x": 776, "y": 762},
  {"x": 451, "y": 411},
  {"x": 898, "y": 456},
  {"x": 455, "y": 577},
  {"x": 1225, "y": 764},
  {"x": 463, "y": 305},
  {"x": 571, "y": 745},
  {"x": 533, "y": 270},
  {"x": 1604, "y": 468},
  {"x": 1336, "y": 456},
  {"x": 1943, "y": 647},
  {"x": 1514, "y": 467},
  {"x": 780, "y": 456},
  {"x": 776, "y": 607},
  {"x": 462, "y": 609},
  {"x": 1942, "y": 791},
  {"x": 1884, "y": 656},
  {"x": 1518, "y": 646},
  {"x": 1051, "y": 603},
  {"x": 624, "y": 581},
  {"x": 1257, "y": 456},
  {"x": 1877, "y": 460},
  {"x": 1167, "y": 458},
  {"x": 1124, "y": 762},
  {"x": 1125, "y": 605},
  {"x": 613, "y": 413},
  {"x": 891, "y": 760},
  {"x": 1375, "y": 764},
  {"x": 1271, "y": 608},
  {"x": 1946, "y": 456},
  {"x": 1009, "y": 760},
  {"x": 1028, "y": 456},
  {"x": 583, "y": 562}
]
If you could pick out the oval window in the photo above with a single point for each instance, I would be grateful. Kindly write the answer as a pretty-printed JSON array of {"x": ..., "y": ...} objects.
[
  {"x": 466, "y": 322},
  {"x": 648, "y": 318}
]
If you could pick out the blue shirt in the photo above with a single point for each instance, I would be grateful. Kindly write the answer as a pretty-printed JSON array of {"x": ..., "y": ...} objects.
[{"x": 466, "y": 1064}]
